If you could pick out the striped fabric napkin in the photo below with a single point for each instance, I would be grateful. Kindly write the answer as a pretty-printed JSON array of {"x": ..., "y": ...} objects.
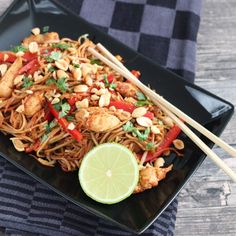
[{"x": 165, "y": 31}]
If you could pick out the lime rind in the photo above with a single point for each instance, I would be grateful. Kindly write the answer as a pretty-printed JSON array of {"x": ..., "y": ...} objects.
[{"x": 99, "y": 196}]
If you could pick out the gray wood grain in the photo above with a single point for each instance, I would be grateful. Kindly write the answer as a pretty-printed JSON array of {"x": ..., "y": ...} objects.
[{"x": 207, "y": 205}]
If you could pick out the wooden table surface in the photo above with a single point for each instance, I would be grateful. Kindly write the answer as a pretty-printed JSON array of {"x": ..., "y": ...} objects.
[{"x": 207, "y": 205}]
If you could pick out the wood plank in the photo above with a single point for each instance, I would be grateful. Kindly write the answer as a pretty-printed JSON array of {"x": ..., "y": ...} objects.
[
  {"x": 4, "y": 5},
  {"x": 206, "y": 221},
  {"x": 207, "y": 204}
]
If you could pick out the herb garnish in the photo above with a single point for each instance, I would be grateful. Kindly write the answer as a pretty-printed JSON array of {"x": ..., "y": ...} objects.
[
  {"x": 69, "y": 118},
  {"x": 150, "y": 146},
  {"x": 95, "y": 61},
  {"x": 76, "y": 65},
  {"x": 141, "y": 96},
  {"x": 129, "y": 127},
  {"x": 111, "y": 85},
  {"x": 52, "y": 69},
  {"x": 53, "y": 56},
  {"x": 65, "y": 108},
  {"x": 48, "y": 128},
  {"x": 106, "y": 82},
  {"x": 50, "y": 125},
  {"x": 143, "y": 103},
  {"x": 62, "y": 46},
  {"x": 45, "y": 29},
  {"x": 142, "y": 100},
  {"x": 61, "y": 83},
  {"x": 19, "y": 48},
  {"x": 44, "y": 138},
  {"x": 27, "y": 82}
]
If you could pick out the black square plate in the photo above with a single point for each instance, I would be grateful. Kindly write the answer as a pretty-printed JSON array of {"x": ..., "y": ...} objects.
[{"x": 138, "y": 211}]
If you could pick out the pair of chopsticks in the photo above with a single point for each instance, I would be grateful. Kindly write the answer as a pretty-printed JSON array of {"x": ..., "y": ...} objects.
[{"x": 173, "y": 112}]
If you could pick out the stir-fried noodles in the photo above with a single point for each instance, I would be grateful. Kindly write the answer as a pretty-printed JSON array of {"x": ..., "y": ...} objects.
[{"x": 57, "y": 102}]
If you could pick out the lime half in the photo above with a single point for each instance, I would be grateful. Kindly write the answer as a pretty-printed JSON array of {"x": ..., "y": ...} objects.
[{"x": 109, "y": 173}]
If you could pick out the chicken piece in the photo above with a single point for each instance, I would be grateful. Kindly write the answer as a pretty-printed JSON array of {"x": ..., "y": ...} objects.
[
  {"x": 122, "y": 115},
  {"x": 150, "y": 176},
  {"x": 82, "y": 115},
  {"x": 126, "y": 89},
  {"x": 33, "y": 104},
  {"x": 161, "y": 172},
  {"x": 100, "y": 122},
  {"x": 1, "y": 118},
  {"x": 51, "y": 37},
  {"x": 7, "y": 81}
]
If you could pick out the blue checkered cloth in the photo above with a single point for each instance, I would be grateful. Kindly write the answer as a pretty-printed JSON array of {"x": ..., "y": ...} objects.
[{"x": 165, "y": 31}]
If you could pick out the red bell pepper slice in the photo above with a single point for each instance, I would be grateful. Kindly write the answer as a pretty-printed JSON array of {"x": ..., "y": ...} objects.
[
  {"x": 30, "y": 67},
  {"x": 48, "y": 115},
  {"x": 149, "y": 115},
  {"x": 136, "y": 73},
  {"x": 129, "y": 107},
  {"x": 34, "y": 67},
  {"x": 168, "y": 139},
  {"x": 11, "y": 57},
  {"x": 64, "y": 123},
  {"x": 122, "y": 105},
  {"x": 28, "y": 56},
  {"x": 72, "y": 100},
  {"x": 110, "y": 78},
  {"x": 33, "y": 147}
]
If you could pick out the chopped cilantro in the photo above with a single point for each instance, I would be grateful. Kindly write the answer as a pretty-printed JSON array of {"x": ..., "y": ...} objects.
[
  {"x": 142, "y": 100},
  {"x": 69, "y": 118},
  {"x": 129, "y": 127},
  {"x": 95, "y": 61},
  {"x": 65, "y": 108},
  {"x": 76, "y": 65},
  {"x": 52, "y": 69},
  {"x": 62, "y": 84},
  {"x": 27, "y": 82},
  {"x": 62, "y": 46},
  {"x": 141, "y": 96},
  {"x": 143, "y": 103},
  {"x": 112, "y": 85},
  {"x": 48, "y": 128},
  {"x": 48, "y": 59},
  {"x": 150, "y": 146},
  {"x": 45, "y": 29},
  {"x": 50, "y": 125},
  {"x": 141, "y": 136},
  {"x": 53, "y": 56},
  {"x": 50, "y": 81},
  {"x": 57, "y": 106},
  {"x": 106, "y": 82},
  {"x": 19, "y": 48},
  {"x": 44, "y": 138}
]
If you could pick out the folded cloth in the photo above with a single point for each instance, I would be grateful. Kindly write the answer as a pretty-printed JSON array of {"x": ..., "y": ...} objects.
[{"x": 165, "y": 31}]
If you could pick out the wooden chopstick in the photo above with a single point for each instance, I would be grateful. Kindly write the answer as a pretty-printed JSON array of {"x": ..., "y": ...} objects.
[
  {"x": 120, "y": 68},
  {"x": 174, "y": 109}
]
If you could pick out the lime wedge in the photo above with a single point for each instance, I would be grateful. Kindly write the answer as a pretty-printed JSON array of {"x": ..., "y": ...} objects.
[{"x": 109, "y": 173}]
